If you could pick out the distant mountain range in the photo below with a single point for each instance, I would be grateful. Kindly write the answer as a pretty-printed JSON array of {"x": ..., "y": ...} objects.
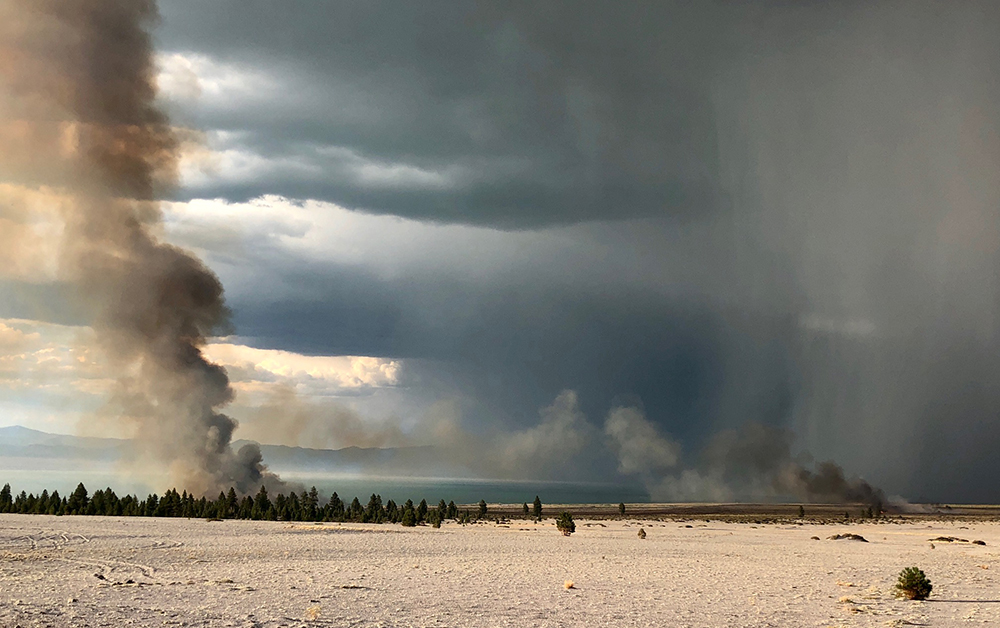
[
  {"x": 33, "y": 448},
  {"x": 22, "y": 442}
]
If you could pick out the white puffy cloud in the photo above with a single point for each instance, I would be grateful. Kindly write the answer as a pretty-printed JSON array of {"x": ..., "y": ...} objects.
[{"x": 323, "y": 374}]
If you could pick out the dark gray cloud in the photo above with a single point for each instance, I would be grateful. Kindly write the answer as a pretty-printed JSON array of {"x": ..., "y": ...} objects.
[
  {"x": 516, "y": 115},
  {"x": 797, "y": 212},
  {"x": 771, "y": 212}
]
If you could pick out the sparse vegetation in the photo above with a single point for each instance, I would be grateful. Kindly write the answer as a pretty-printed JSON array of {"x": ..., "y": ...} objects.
[
  {"x": 565, "y": 523},
  {"x": 913, "y": 584},
  {"x": 848, "y": 536}
]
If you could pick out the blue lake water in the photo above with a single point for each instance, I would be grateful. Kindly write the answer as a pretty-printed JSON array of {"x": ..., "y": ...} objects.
[{"x": 469, "y": 491}]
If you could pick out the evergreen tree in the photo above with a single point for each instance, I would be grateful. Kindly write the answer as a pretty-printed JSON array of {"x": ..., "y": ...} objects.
[
  {"x": 130, "y": 506},
  {"x": 335, "y": 509},
  {"x": 310, "y": 501},
  {"x": 621, "y": 509},
  {"x": 246, "y": 508},
  {"x": 77, "y": 502},
  {"x": 6, "y": 502},
  {"x": 294, "y": 507},
  {"x": 482, "y": 508},
  {"x": 375, "y": 512},
  {"x": 356, "y": 511},
  {"x": 452, "y": 510},
  {"x": 42, "y": 503},
  {"x": 565, "y": 523},
  {"x": 19, "y": 502},
  {"x": 55, "y": 504},
  {"x": 232, "y": 503},
  {"x": 524, "y": 506},
  {"x": 27, "y": 503},
  {"x": 113, "y": 505},
  {"x": 442, "y": 510},
  {"x": 261, "y": 505},
  {"x": 391, "y": 512},
  {"x": 422, "y": 511},
  {"x": 536, "y": 510},
  {"x": 409, "y": 514},
  {"x": 187, "y": 505}
]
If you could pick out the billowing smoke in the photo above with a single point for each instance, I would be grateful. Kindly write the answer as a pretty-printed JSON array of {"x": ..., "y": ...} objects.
[
  {"x": 752, "y": 463},
  {"x": 83, "y": 139},
  {"x": 552, "y": 448},
  {"x": 638, "y": 443},
  {"x": 285, "y": 418}
]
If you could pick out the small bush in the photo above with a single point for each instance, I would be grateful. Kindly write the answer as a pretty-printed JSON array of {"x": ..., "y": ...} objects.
[
  {"x": 565, "y": 524},
  {"x": 913, "y": 584},
  {"x": 642, "y": 533}
]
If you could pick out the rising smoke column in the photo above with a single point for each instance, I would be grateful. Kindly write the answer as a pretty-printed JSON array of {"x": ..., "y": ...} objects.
[{"x": 81, "y": 136}]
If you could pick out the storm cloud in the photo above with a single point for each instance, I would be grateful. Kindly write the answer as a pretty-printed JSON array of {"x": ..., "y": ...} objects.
[{"x": 725, "y": 214}]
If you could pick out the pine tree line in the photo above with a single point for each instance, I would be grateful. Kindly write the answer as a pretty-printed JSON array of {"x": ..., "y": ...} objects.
[{"x": 293, "y": 507}]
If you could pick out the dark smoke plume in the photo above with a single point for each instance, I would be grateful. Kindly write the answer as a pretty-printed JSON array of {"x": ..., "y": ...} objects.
[
  {"x": 762, "y": 455},
  {"x": 82, "y": 133},
  {"x": 752, "y": 463}
]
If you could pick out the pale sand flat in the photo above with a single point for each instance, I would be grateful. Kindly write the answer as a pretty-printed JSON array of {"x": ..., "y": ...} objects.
[{"x": 100, "y": 571}]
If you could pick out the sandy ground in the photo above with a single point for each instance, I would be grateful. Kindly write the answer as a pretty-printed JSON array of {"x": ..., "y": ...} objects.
[{"x": 98, "y": 571}]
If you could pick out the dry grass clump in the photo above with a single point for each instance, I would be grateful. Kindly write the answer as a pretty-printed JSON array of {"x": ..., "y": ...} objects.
[
  {"x": 569, "y": 584},
  {"x": 848, "y": 537},
  {"x": 312, "y": 613},
  {"x": 642, "y": 533}
]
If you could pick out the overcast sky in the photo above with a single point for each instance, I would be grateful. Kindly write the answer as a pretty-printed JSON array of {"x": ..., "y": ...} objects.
[{"x": 711, "y": 213}]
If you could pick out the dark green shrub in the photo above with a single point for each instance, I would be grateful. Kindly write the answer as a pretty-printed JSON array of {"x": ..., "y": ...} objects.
[
  {"x": 482, "y": 508},
  {"x": 536, "y": 510},
  {"x": 913, "y": 584},
  {"x": 565, "y": 524}
]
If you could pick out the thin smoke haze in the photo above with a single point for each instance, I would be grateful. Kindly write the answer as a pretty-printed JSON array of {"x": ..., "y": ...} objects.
[{"x": 83, "y": 140}]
